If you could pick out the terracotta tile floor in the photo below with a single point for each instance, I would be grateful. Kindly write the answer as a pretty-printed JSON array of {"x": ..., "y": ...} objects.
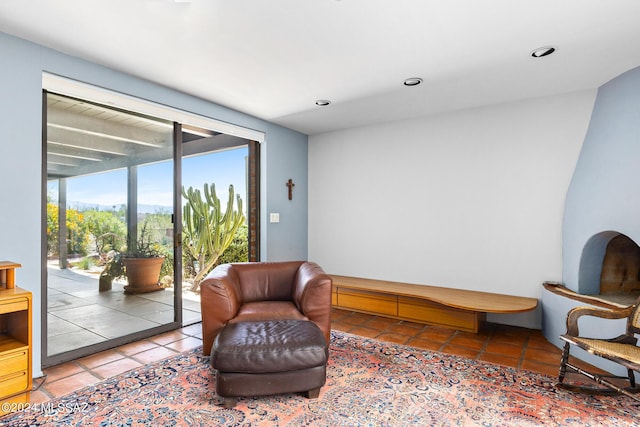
[{"x": 506, "y": 345}]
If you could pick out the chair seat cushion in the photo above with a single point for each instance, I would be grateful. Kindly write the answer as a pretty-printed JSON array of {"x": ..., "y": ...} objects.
[
  {"x": 269, "y": 346},
  {"x": 268, "y": 310}
]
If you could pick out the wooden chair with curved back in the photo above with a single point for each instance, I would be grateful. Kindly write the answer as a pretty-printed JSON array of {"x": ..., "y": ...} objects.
[{"x": 622, "y": 349}]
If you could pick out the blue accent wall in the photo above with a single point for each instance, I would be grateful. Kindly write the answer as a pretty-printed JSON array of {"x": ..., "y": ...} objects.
[
  {"x": 283, "y": 156},
  {"x": 603, "y": 198},
  {"x": 602, "y": 202}
]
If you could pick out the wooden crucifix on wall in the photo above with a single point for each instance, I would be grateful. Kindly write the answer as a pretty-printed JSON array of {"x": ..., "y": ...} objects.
[{"x": 290, "y": 184}]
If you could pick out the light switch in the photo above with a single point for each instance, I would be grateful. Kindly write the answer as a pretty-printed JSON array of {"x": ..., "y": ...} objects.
[{"x": 274, "y": 217}]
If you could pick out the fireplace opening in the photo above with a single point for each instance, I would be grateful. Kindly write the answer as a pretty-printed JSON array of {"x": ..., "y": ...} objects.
[{"x": 620, "y": 275}]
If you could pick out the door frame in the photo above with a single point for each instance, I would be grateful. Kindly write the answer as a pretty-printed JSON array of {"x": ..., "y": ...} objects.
[{"x": 253, "y": 214}]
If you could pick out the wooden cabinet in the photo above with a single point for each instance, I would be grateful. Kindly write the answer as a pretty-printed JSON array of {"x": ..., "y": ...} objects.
[
  {"x": 371, "y": 302},
  {"x": 406, "y": 308},
  {"x": 15, "y": 338},
  {"x": 425, "y": 311},
  {"x": 460, "y": 309}
]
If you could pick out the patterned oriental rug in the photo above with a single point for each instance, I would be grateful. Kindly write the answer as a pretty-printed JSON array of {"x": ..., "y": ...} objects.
[{"x": 369, "y": 383}]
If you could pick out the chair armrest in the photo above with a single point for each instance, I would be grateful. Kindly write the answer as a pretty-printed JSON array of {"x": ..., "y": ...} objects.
[
  {"x": 574, "y": 315},
  {"x": 312, "y": 295},
  {"x": 220, "y": 300}
]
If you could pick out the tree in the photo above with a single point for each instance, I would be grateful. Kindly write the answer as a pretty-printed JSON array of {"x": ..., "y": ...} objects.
[
  {"x": 207, "y": 231},
  {"x": 52, "y": 228},
  {"x": 106, "y": 230},
  {"x": 238, "y": 250},
  {"x": 77, "y": 236}
]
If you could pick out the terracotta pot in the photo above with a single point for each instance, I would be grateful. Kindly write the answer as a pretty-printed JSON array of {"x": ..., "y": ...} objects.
[{"x": 143, "y": 274}]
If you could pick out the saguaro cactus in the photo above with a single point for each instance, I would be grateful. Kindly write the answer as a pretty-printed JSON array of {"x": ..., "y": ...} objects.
[{"x": 207, "y": 232}]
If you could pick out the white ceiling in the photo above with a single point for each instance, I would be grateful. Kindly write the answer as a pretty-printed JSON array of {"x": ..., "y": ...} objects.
[{"x": 274, "y": 58}]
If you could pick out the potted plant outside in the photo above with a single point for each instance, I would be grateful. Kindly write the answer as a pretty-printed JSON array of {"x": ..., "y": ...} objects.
[
  {"x": 142, "y": 268},
  {"x": 141, "y": 264}
]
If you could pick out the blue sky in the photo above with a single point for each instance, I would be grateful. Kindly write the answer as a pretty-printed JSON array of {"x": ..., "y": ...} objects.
[{"x": 155, "y": 181}]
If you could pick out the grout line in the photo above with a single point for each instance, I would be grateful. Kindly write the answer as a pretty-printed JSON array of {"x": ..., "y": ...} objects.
[
  {"x": 483, "y": 349},
  {"x": 448, "y": 342},
  {"x": 523, "y": 351}
]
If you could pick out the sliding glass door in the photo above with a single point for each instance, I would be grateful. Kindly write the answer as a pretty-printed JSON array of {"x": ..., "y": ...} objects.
[
  {"x": 117, "y": 196},
  {"x": 214, "y": 178},
  {"x": 110, "y": 183}
]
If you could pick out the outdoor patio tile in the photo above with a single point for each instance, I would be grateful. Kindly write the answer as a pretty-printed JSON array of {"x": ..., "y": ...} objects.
[
  {"x": 122, "y": 327},
  {"x": 58, "y": 326},
  {"x": 70, "y": 286},
  {"x": 191, "y": 304},
  {"x": 165, "y": 296},
  {"x": 63, "y": 300},
  {"x": 91, "y": 315},
  {"x": 160, "y": 318},
  {"x": 72, "y": 340},
  {"x": 189, "y": 316},
  {"x": 133, "y": 304}
]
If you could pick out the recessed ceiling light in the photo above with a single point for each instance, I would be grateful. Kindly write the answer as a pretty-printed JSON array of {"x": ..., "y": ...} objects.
[
  {"x": 543, "y": 51},
  {"x": 412, "y": 81},
  {"x": 323, "y": 102}
]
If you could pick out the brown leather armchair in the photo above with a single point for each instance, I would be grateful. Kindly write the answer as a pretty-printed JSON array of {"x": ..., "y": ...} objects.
[{"x": 255, "y": 291}]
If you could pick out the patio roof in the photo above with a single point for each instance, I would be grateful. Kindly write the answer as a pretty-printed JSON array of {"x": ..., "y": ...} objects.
[{"x": 86, "y": 138}]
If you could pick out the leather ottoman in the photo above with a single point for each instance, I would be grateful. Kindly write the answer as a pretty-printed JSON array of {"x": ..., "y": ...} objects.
[{"x": 269, "y": 357}]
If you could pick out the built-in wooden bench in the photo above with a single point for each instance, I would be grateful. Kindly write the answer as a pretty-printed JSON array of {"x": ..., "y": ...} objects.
[{"x": 455, "y": 308}]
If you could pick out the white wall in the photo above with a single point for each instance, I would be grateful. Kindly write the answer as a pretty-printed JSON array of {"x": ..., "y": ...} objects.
[{"x": 471, "y": 199}]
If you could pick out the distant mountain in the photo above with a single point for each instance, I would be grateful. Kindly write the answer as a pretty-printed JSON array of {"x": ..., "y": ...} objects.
[{"x": 144, "y": 209}]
